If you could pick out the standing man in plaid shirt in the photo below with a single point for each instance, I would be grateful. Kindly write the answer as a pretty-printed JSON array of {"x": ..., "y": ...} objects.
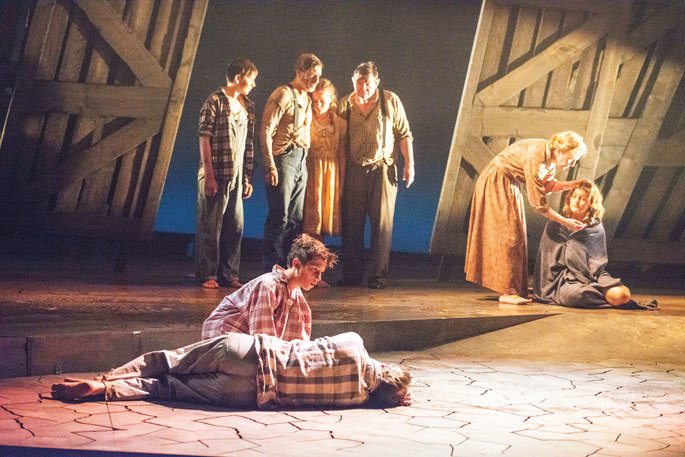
[
  {"x": 226, "y": 131},
  {"x": 241, "y": 371},
  {"x": 273, "y": 303},
  {"x": 284, "y": 135}
]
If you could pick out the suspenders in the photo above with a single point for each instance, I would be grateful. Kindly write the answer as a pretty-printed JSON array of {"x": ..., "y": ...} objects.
[
  {"x": 296, "y": 108},
  {"x": 384, "y": 117},
  {"x": 296, "y": 113}
]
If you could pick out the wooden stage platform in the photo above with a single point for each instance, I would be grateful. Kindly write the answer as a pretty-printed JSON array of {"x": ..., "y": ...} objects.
[{"x": 64, "y": 309}]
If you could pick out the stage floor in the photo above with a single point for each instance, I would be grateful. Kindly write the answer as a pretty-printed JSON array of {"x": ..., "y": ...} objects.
[
  {"x": 528, "y": 380},
  {"x": 64, "y": 293}
]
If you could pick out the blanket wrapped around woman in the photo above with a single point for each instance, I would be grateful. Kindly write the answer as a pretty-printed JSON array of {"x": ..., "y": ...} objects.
[{"x": 571, "y": 267}]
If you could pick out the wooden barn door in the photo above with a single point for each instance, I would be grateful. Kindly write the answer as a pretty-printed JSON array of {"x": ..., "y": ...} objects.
[
  {"x": 96, "y": 101},
  {"x": 611, "y": 71}
]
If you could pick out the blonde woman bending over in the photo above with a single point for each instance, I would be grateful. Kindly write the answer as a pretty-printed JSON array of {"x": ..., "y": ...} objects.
[{"x": 496, "y": 251}]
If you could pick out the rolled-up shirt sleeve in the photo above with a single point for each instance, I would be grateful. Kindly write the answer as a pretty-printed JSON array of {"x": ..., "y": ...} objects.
[
  {"x": 275, "y": 106},
  {"x": 400, "y": 124},
  {"x": 207, "y": 118}
]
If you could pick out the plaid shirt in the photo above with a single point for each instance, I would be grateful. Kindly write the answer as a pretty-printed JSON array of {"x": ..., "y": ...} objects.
[
  {"x": 263, "y": 305},
  {"x": 214, "y": 117},
  {"x": 334, "y": 371}
]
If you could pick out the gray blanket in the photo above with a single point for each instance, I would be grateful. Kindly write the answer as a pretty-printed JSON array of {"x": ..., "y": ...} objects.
[{"x": 570, "y": 268}]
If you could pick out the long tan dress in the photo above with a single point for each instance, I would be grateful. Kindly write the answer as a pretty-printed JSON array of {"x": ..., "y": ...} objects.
[
  {"x": 496, "y": 250},
  {"x": 324, "y": 183}
]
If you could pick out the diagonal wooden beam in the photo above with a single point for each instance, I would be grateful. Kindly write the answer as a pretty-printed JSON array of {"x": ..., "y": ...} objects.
[
  {"x": 566, "y": 5},
  {"x": 124, "y": 42},
  {"x": 94, "y": 100},
  {"x": 441, "y": 238},
  {"x": 654, "y": 28},
  {"x": 566, "y": 48},
  {"x": 476, "y": 152},
  {"x": 601, "y": 102},
  {"x": 542, "y": 123},
  {"x": 82, "y": 163},
  {"x": 645, "y": 133}
]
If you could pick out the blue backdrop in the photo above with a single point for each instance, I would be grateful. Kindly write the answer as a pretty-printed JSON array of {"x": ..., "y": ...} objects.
[{"x": 422, "y": 50}]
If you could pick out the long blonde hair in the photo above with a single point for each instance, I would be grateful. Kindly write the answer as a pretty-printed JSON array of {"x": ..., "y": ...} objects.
[{"x": 595, "y": 212}]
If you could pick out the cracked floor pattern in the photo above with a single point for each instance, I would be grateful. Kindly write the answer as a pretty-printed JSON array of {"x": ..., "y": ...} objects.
[{"x": 463, "y": 407}]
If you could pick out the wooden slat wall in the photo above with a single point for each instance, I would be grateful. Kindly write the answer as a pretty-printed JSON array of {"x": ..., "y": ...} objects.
[
  {"x": 94, "y": 113},
  {"x": 613, "y": 72}
]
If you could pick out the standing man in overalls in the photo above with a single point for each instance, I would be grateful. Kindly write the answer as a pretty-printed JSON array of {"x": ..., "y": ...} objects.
[
  {"x": 284, "y": 134},
  {"x": 226, "y": 131},
  {"x": 374, "y": 119}
]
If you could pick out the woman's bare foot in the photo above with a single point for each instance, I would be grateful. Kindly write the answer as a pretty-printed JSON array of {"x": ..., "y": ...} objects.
[
  {"x": 513, "y": 300},
  {"x": 211, "y": 284},
  {"x": 71, "y": 389},
  {"x": 323, "y": 284}
]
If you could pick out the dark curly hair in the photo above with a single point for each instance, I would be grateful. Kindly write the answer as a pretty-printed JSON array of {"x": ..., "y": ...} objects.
[
  {"x": 392, "y": 387},
  {"x": 306, "y": 248}
]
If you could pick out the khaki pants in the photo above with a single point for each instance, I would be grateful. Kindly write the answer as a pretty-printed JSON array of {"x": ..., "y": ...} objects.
[
  {"x": 369, "y": 190},
  {"x": 219, "y": 371}
]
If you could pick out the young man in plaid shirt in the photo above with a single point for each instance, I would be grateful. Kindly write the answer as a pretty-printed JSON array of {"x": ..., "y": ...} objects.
[
  {"x": 226, "y": 131},
  {"x": 273, "y": 303},
  {"x": 238, "y": 370}
]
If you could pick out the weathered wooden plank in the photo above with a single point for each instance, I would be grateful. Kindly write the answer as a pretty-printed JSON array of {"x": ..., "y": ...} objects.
[
  {"x": 565, "y": 49},
  {"x": 492, "y": 63},
  {"x": 671, "y": 213},
  {"x": 452, "y": 170},
  {"x": 71, "y": 197},
  {"x": 124, "y": 42},
  {"x": 158, "y": 43},
  {"x": 558, "y": 94},
  {"x": 542, "y": 123},
  {"x": 523, "y": 43},
  {"x": 173, "y": 116},
  {"x": 476, "y": 152},
  {"x": 627, "y": 79},
  {"x": 668, "y": 152},
  {"x": 644, "y": 134},
  {"x": 601, "y": 103},
  {"x": 611, "y": 156},
  {"x": 582, "y": 79},
  {"x": 550, "y": 25},
  {"x": 129, "y": 164},
  {"x": 82, "y": 163},
  {"x": 457, "y": 215},
  {"x": 630, "y": 250},
  {"x": 497, "y": 144},
  {"x": 54, "y": 123},
  {"x": 95, "y": 100},
  {"x": 668, "y": 17},
  {"x": 566, "y": 5},
  {"x": 649, "y": 203},
  {"x": 98, "y": 186},
  {"x": 23, "y": 131}
]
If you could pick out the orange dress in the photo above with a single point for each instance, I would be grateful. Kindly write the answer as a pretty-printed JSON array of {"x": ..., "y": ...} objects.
[
  {"x": 497, "y": 248},
  {"x": 324, "y": 183}
]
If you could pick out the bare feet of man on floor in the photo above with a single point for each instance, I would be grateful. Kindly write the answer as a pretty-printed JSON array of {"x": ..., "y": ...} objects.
[
  {"x": 72, "y": 388},
  {"x": 211, "y": 284}
]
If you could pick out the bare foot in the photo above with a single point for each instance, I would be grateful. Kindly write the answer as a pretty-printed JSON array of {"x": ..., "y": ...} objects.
[
  {"x": 513, "y": 300},
  {"x": 211, "y": 284},
  {"x": 71, "y": 389},
  {"x": 322, "y": 284}
]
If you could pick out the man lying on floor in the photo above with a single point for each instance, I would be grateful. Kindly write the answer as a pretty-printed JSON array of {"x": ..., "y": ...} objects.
[{"x": 244, "y": 371}]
